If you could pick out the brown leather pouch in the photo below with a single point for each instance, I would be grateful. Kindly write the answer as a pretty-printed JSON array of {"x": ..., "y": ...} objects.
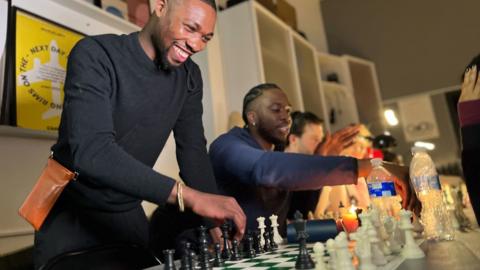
[{"x": 45, "y": 193}]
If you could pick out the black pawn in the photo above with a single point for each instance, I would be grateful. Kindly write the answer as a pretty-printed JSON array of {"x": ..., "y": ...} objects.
[
  {"x": 273, "y": 245},
  {"x": 226, "y": 252},
  {"x": 257, "y": 242},
  {"x": 185, "y": 260},
  {"x": 250, "y": 250},
  {"x": 266, "y": 238},
  {"x": 236, "y": 256},
  {"x": 218, "y": 262},
  {"x": 169, "y": 263}
]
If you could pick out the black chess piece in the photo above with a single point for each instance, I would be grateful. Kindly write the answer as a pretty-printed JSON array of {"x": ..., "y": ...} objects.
[
  {"x": 226, "y": 252},
  {"x": 236, "y": 256},
  {"x": 169, "y": 263},
  {"x": 218, "y": 261},
  {"x": 266, "y": 239},
  {"x": 273, "y": 245},
  {"x": 185, "y": 259},
  {"x": 304, "y": 261},
  {"x": 257, "y": 242},
  {"x": 203, "y": 249},
  {"x": 250, "y": 251}
]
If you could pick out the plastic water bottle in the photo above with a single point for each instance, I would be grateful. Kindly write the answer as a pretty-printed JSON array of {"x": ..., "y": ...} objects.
[
  {"x": 381, "y": 188},
  {"x": 434, "y": 216}
]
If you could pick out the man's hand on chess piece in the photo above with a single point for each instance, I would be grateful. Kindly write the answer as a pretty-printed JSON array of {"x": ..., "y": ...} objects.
[
  {"x": 216, "y": 207},
  {"x": 471, "y": 85},
  {"x": 334, "y": 144}
]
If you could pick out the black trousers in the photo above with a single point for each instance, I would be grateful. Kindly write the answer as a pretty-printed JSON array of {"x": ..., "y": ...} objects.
[{"x": 70, "y": 228}]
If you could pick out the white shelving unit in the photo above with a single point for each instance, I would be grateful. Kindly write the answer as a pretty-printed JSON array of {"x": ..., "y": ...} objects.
[
  {"x": 261, "y": 50},
  {"x": 367, "y": 93}
]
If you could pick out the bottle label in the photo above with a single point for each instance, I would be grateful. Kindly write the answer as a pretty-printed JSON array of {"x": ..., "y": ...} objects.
[
  {"x": 381, "y": 189},
  {"x": 426, "y": 182}
]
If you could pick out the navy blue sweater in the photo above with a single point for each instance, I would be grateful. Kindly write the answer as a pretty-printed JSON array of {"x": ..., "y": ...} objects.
[{"x": 119, "y": 110}]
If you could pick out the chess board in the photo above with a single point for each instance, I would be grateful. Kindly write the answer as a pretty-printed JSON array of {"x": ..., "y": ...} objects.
[{"x": 285, "y": 257}]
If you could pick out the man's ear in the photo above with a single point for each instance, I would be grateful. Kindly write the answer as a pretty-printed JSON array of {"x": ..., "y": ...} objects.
[
  {"x": 292, "y": 139},
  {"x": 160, "y": 7},
  {"x": 252, "y": 118}
]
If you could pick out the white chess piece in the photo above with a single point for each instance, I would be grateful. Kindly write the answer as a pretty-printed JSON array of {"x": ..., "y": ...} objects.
[
  {"x": 411, "y": 250},
  {"x": 318, "y": 255},
  {"x": 378, "y": 257},
  {"x": 390, "y": 229},
  {"x": 381, "y": 233},
  {"x": 261, "y": 227},
  {"x": 363, "y": 249},
  {"x": 332, "y": 262},
  {"x": 343, "y": 256},
  {"x": 276, "y": 236}
]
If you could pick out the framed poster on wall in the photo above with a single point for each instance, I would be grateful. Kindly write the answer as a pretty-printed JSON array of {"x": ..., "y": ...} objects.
[{"x": 40, "y": 53}]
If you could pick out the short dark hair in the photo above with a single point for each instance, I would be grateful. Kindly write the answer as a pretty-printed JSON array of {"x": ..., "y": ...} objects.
[
  {"x": 253, "y": 94},
  {"x": 300, "y": 120}
]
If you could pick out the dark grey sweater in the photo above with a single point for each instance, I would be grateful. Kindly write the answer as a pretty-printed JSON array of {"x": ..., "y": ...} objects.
[{"x": 118, "y": 112}]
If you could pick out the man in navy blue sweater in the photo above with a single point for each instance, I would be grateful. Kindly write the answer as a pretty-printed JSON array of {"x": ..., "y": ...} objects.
[{"x": 123, "y": 96}]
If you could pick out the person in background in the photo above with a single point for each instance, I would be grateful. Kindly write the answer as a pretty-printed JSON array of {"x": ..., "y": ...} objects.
[
  {"x": 469, "y": 116},
  {"x": 307, "y": 137},
  {"x": 247, "y": 168},
  {"x": 123, "y": 96}
]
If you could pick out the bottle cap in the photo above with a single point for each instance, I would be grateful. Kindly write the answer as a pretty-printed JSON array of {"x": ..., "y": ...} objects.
[
  {"x": 418, "y": 149},
  {"x": 376, "y": 162}
]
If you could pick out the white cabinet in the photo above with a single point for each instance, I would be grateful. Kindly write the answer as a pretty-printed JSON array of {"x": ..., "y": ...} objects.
[{"x": 256, "y": 48}]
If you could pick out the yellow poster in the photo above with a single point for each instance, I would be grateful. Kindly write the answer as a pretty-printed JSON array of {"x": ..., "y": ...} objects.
[{"x": 41, "y": 53}]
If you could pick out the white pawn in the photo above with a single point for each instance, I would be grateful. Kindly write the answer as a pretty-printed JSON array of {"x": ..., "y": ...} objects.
[
  {"x": 391, "y": 230},
  {"x": 318, "y": 255},
  {"x": 363, "y": 249},
  {"x": 378, "y": 257},
  {"x": 381, "y": 233},
  {"x": 343, "y": 256},
  {"x": 261, "y": 227},
  {"x": 332, "y": 261},
  {"x": 411, "y": 250},
  {"x": 274, "y": 224}
]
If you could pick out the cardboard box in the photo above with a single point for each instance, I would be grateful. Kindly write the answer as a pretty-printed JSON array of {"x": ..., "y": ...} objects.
[
  {"x": 269, "y": 4},
  {"x": 287, "y": 13}
]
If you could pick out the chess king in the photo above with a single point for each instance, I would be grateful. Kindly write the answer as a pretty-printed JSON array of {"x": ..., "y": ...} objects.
[{"x": 247, "y": 167}]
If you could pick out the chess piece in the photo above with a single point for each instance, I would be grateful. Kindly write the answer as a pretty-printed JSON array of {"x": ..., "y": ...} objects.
[
  {"x": 318, "y": 255},
  {"x": 411, "y": 250},
  {"x": 332, "y": 261},
  {"x": 186, "y": 260},
  {"x": 273, "y": 245},
  {"x": 169, "y": 263},
  {"x": 261, "y": 227},
  {"x": 266, "y": 239},
  {"x": 236, "y": 256},
  {"x": 257, "y": 243},
  {"x": 277, "y": 239},
  {"x": 304, "y": 261},
  {"x": 381, "y": 233},
  {"x": 344, "y": 258},
  {"x": 378, "y": 257},
  {"x": 390, "y": 229},
  {"x": 363, "y": 249},
  {"x": 203, "y": 249},
  {"x": 226, "y": 252},
  {"x": 218, "y": 261},
  {"x": 250, "y": 251}
]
